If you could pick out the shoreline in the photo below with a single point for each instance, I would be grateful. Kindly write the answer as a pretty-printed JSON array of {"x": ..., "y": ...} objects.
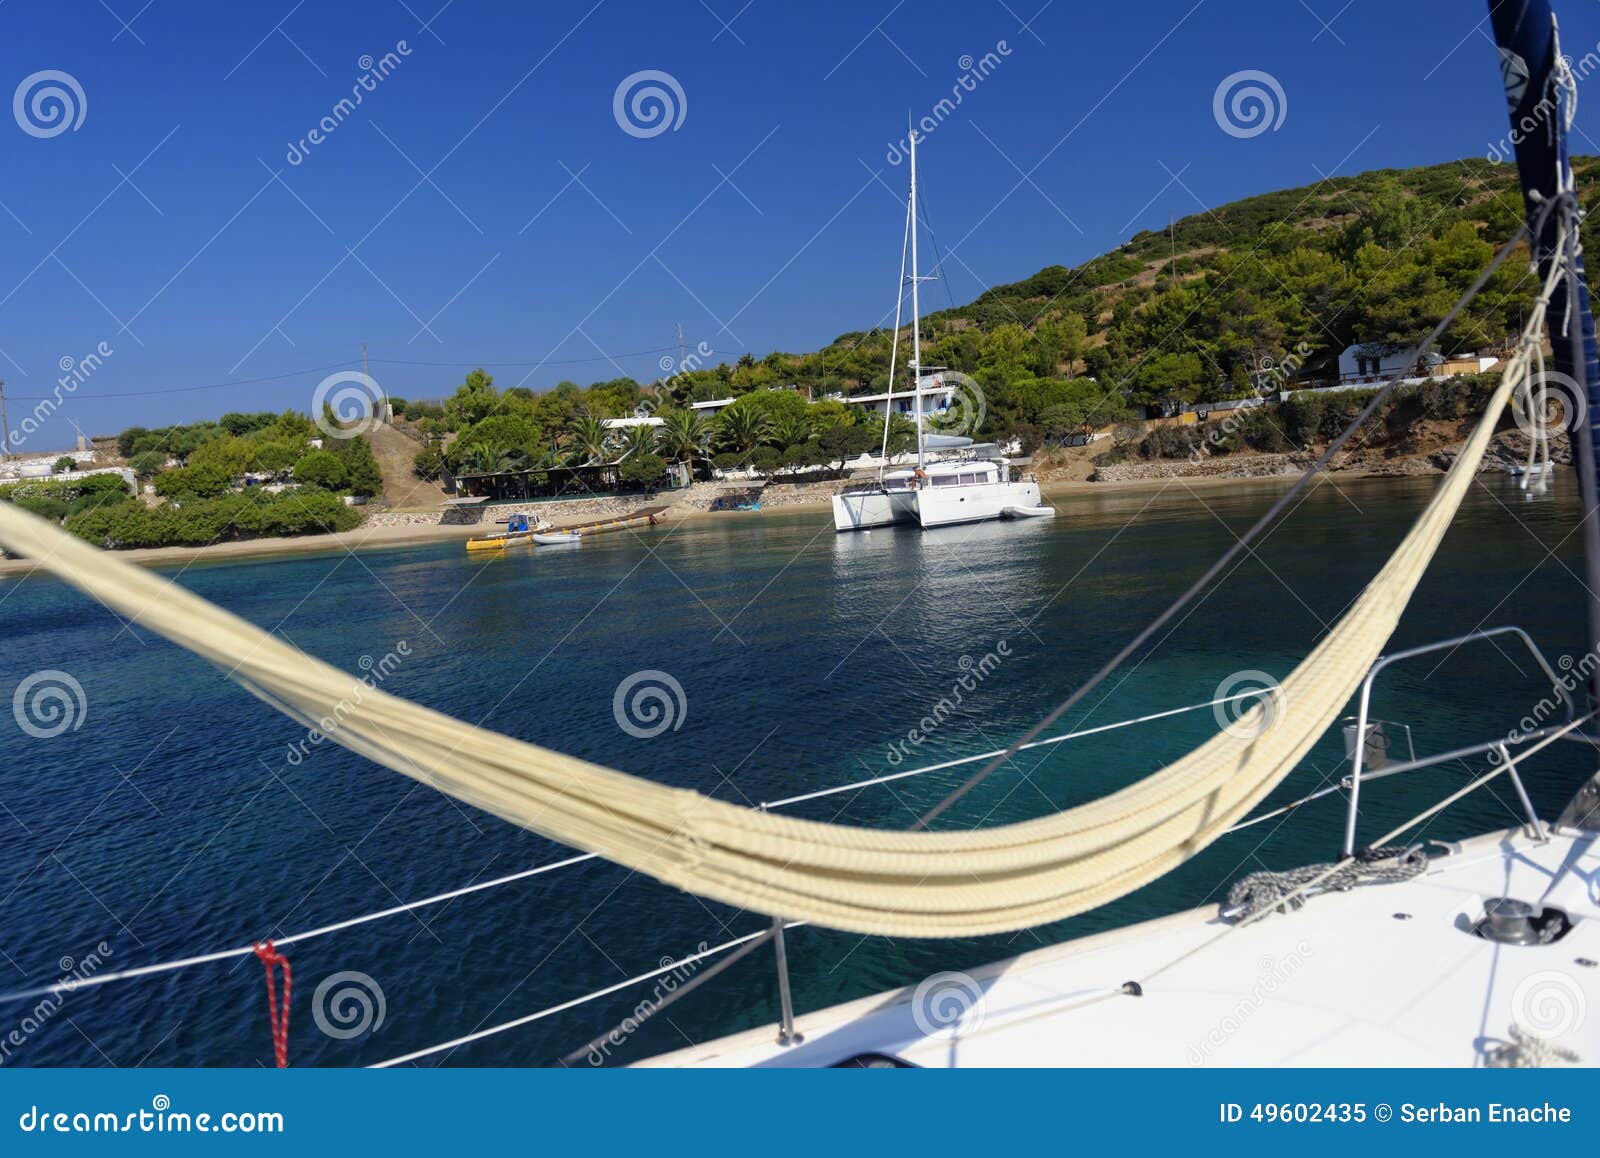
[{"x": 391, "y": 537}]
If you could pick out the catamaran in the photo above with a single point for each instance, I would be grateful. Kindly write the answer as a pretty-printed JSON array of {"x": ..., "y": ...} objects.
[
  {"x": 971, "y": 488},
  {"x": 1392, "y": 951}
]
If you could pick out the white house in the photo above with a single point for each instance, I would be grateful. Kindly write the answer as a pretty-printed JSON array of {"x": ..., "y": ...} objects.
[
  {"x": 711, "y": 408},
  {"x": 1371, "y": 361},
  {"x": 936, "y": 399}
]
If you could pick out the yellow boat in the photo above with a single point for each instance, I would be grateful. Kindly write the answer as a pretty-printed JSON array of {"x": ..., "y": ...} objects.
[{"x": 517, "y": 532}]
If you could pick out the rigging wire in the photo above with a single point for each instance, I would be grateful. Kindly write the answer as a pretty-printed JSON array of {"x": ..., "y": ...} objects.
[
  {"x": 1241, "y": 543},
  {"x": 540, "y": 870}
]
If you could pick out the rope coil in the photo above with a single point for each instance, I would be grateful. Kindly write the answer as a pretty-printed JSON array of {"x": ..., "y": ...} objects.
[{"x": 1285, "y": 890}]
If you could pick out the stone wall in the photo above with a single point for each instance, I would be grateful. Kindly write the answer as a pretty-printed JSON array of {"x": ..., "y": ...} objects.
[{"x": 558, "y": 512}]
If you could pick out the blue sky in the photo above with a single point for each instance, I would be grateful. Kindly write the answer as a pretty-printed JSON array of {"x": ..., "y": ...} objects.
[{"x": 171, "y": 225}]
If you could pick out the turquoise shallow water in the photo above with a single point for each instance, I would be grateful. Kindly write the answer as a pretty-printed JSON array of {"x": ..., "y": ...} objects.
[{"x": 174, "y": 820}]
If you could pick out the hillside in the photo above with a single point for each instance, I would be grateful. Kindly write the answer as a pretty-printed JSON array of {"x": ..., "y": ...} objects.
[{"x": 1293, "y": 276}]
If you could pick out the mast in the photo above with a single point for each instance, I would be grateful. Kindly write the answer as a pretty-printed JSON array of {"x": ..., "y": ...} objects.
[
  {"x": 894, "y": 341},
  {"x": 916, "y": 311},
  {"x": 1539, "y": 103}
]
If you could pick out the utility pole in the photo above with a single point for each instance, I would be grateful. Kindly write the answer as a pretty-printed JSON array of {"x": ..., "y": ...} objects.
[
  {"x": 682, "y": 355},
  {"x": 5, "y": 427}
]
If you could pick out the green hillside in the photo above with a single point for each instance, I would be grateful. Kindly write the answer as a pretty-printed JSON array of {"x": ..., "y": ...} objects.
[{"x": 1300, "y": 273}]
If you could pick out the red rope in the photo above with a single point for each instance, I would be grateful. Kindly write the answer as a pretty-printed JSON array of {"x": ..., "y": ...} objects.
[{"x": 277, "y": 1016}]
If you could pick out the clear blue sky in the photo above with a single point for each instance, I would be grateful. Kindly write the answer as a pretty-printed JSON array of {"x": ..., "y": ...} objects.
[{"x": 159, "y": 227}]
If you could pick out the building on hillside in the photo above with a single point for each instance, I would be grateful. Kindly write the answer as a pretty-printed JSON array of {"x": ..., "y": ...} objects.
[
  {"x": 936, "y": 399},
  {"x": 712, "y": 407},
  {"x": 1375, "y": 361},
  {"x": 641, "y": 417}
]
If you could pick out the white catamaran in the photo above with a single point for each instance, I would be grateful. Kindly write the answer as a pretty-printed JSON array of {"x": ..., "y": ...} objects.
[{"x": 973, "y": 487}]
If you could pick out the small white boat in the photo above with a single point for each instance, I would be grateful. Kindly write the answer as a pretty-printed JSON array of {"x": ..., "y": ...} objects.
[
  {"x": 1021, "y": 512},
  {"x": 557, "y": 538},
  {"x": 1535, "y": 470}
]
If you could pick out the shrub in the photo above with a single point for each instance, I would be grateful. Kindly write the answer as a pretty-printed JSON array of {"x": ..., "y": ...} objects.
[
  {"x": 63, "y": 464},
  {"x": 147, "y": 463},
  {"x": 645, "y": 470},
  {"x": 320, "y": 468},
  {"x": 204, "y": 481},
  {"x": 428, "y": 464},
  {"x": 307, "y": 510}
]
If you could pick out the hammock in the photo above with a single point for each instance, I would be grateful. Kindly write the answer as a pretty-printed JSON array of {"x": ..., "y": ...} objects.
[{"x": 914, "y": 884}]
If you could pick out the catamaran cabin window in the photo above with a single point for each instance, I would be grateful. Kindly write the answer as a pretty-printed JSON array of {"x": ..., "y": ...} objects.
[{"x": 946, "y": 480}]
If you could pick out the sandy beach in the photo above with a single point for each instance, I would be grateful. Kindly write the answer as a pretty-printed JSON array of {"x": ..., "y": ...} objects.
[{"x": 377, "y": 538}]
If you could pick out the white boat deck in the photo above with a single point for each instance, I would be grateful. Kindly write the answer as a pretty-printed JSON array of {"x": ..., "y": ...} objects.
[{"x": 1381, "y": 975}]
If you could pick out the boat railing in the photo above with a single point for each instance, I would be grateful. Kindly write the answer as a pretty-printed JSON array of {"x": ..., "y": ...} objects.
[
  {"x": 1363, "y": 729},
  {"x": 1499, "y": 749}
]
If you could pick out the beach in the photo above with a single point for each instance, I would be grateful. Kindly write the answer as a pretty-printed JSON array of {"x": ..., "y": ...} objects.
[{"x": 377, "y": 537}]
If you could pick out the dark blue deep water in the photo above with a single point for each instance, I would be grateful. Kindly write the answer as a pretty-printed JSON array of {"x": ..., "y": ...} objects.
[{"x": 172, "y": 822}]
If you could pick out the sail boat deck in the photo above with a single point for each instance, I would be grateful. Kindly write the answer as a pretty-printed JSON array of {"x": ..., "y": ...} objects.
[{"x": 1381, "y": 975}]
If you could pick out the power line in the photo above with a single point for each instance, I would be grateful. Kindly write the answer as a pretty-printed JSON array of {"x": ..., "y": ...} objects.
[
  {"x": 345, "y": 365},
  {"x": 202, "y": 386}
]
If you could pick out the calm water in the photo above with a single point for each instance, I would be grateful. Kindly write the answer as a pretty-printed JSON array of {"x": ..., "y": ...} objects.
[{"x": 172, "y": 822}]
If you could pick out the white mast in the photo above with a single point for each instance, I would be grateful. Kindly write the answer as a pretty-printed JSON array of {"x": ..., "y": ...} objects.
[
  {"x": 894, "y": 344},
  {"x": 916, "y": 312}
]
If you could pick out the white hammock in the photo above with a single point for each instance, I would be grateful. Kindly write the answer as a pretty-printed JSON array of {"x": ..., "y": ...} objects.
[{"x": 920, "y": 884}]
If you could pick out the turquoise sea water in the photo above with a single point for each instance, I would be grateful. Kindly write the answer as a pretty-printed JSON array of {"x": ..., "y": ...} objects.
[{"x": 183, "y": 815}]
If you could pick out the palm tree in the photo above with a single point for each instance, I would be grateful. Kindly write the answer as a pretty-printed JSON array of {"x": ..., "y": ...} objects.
[
  {"x": 480, "y": 459},
  {"x": 790, "y": 430},
  {"x": 638, "y": 440},
  {"x": 744, "y": 428},
  {"x": 588, "y": 437},
  {"x": 684, "y": 434}
]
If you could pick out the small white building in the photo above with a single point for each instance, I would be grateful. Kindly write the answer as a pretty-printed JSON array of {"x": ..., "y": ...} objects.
[
  {"x": 1373, "y": 361},
  {"x": 936, "y": 399},
  {"x": 712, "y": 407}
]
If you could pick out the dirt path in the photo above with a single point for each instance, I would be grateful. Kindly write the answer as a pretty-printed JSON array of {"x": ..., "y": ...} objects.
[{"x": 402, "y": 490}]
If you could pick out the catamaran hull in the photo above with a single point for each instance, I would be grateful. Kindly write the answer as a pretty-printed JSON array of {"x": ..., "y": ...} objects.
[
  {"x": 947, "y": 506},
  {"x": 862, "y": 510}
]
